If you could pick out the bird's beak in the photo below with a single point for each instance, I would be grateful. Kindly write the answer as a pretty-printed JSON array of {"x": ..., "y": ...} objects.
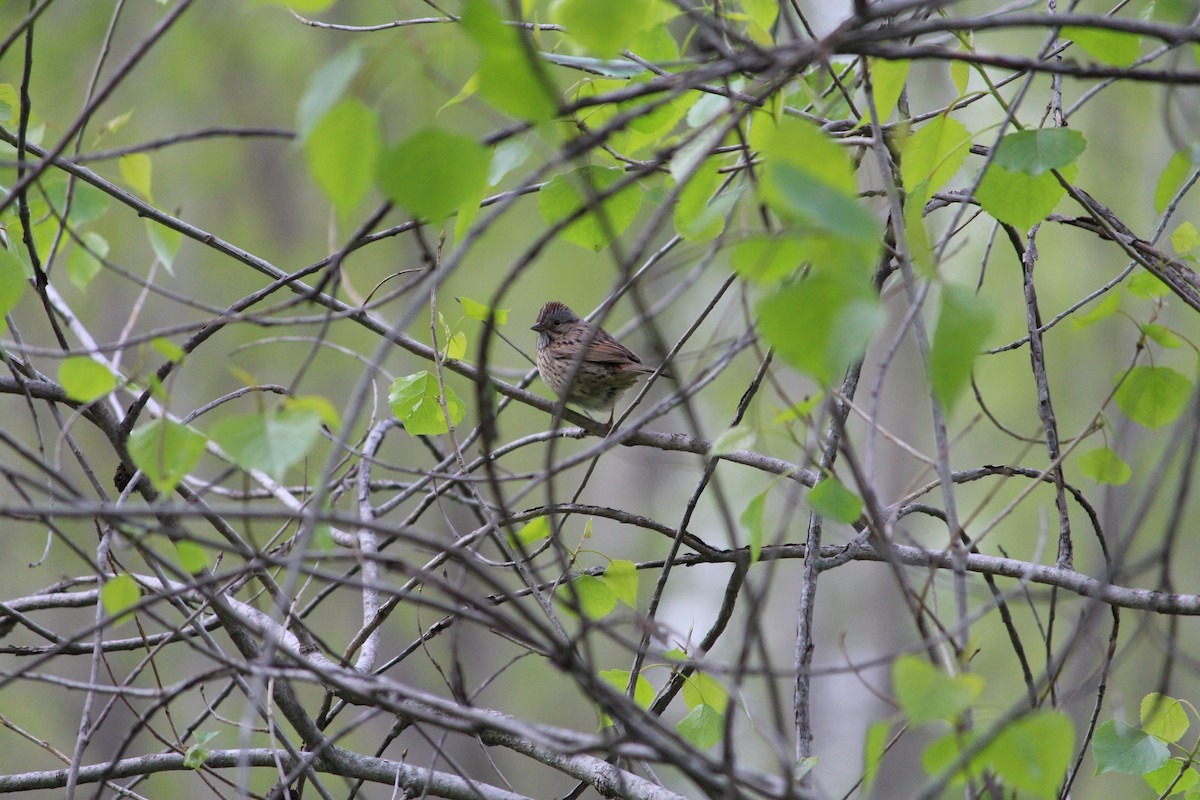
[{"x": 538, "y": 327}]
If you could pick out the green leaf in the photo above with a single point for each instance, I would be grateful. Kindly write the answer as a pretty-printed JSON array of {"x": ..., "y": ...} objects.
[
  {"x": 301, "y": 6},
  {"x": 167, "y": 349},
  {"x": 1173, "y": 175},
  {"x": 1185, "y": 238},
  {"x": 622, "y": 578},
  {"x": 565, "y": 194},
  {"x": 326, "y": 86},
  {"x": 604, "y": 29},
  {"x": 433, "y": 171},
  {"x": 887, "y": 82},
  {"x": 1104, "y": 466},
  {"x": 136, "y": 170},
  {"x": 12, "y": 281},
  {"x": 83, "y": 264},
  {"x": 343, "y": 152},
  {"x": 509, "y": 154},
  {"x": 699, "y": 216},
  {"x": 456, "y": 346},
  {"x": 1038, "y": 151},
  {"x": 795, "y": 193},
  {"x": 198, "y": 753},
  {"x": 508, "y": 76},
  {"x": 704, "y": 726},
  {"x": 1118, "y": 747},
  {"x": 1147, "y": 286},
  {"x": 926, "y": 693},
  {"x": 165, "y": 451},
  {"x": 482, "y": 313},
  {"x": 767, "y": 259},
  {"x": 1153, "y": 396},
  {"x": 702, "y": 689},
  {"x": 1102, "y": 310},
  {"x": 318, "y": 405},
  {"x": 643, "y": 690},
  {"x": 1164, "y": 777},
  {"x": 944, "y": 751},
  {"x": 534, "y": 531},
  {"x": 932, "y": 155},
  {"x": 739, "y": 437},
  {"x": 1162, "y": 335},
  {"x": 1118, "y": 48},
  {"x": 165, "y": 242},
  {"x": 85, "y": 380},
  {"x": 751, "y": 521},
  {"x": 960, "y": 75},
  {"x": 192, "y": 557},
  {"x": 1164, "y": 717},
  {"x": 878, "y": 734},
  {"x": 415, "y": 400},
  {"x": 596, "y": 600},
  {"x": 1018, "y": 199},
  {"x": 1032, "y": 754},
  {"x": 119, "y": 594},
  {"x": 821, "y": 325},
  {"x": 271, "y": 442},
  {"x": 831, "y": 499},
  {"x": 964, "y": 322},
  {"x": 87, "y": 202}
]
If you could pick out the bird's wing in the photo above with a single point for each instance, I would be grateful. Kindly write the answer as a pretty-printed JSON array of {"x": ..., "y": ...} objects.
[{"x": 609, "y": 351}]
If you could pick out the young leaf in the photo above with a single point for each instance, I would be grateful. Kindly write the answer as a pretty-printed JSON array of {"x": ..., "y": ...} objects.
[
  {"x": 596, "y": 600},
  {"x": 1164, "y": 717},
  {"x": 1171, "y": 179},
  {"x": 165, "y": 451},
  {"x": 12, "y": 281},
  {"x": 136, "y": 170},
  {"x": 622, "y": 578},
  {"x": 751, "y": 521},
  {"x": 963, "y": 325},
  {"x": 326, "y": 86},
  {"x": 192, "y": 557},
  {"x": 704, "y": 726},
  {"x": 1038, "y": 151},
  {"x": 821, "y": 325},
  {"x": 876, "y": 740},
  {"x": 1104, "y": 466},
  {"x": 933, "y": 154},
  {"x": 1032, "y": 754},
  {"x": 926, "y": 693},
  {"x": 831, "y": 499},
  {"x": 415, "y": 400},
  {"x": 643, "y": 690},
  {"x": 1016, "y": 198},
  {"x": 604, "y": 29},
  {"x": 1102, "y": 310},
  {"x": 887, "y": 80},
  {"x": 508, "y": 76},
  {"x": 433, "y": 172},
  {"x": 1118, "y": 747},
  {"x": 1185, "y": 238},
  {"x": 533, "y": 531},
  {"x": 1165, "y": 777},
  {"x": 1118, "y": 48},
  {"x": 701, "y": 689},
  {"x": 272, "y": 442},
  {"x": 739, "y": 437},
  {"x": 119, "y": 594},
  {"x": 84, "y": 263},
  {"x": 165, "y": 242},
  {"x": 343, "y": 151},
  {"x": 1153, "y": 396},
  {"x": 481, "y": 312},
  {"x": 85, "y": 380},
  {"x": 565, "y": 194}
]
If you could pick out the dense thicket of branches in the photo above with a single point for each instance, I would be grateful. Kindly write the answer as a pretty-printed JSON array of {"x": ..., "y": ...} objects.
[{"x": 905, "y": 512}]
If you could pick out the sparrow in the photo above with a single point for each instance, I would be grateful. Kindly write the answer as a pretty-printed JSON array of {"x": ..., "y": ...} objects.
[{"x": 593, "y": 380}]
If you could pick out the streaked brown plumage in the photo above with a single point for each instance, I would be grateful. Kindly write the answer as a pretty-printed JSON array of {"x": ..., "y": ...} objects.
[{"x": 606, "y": 369}]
